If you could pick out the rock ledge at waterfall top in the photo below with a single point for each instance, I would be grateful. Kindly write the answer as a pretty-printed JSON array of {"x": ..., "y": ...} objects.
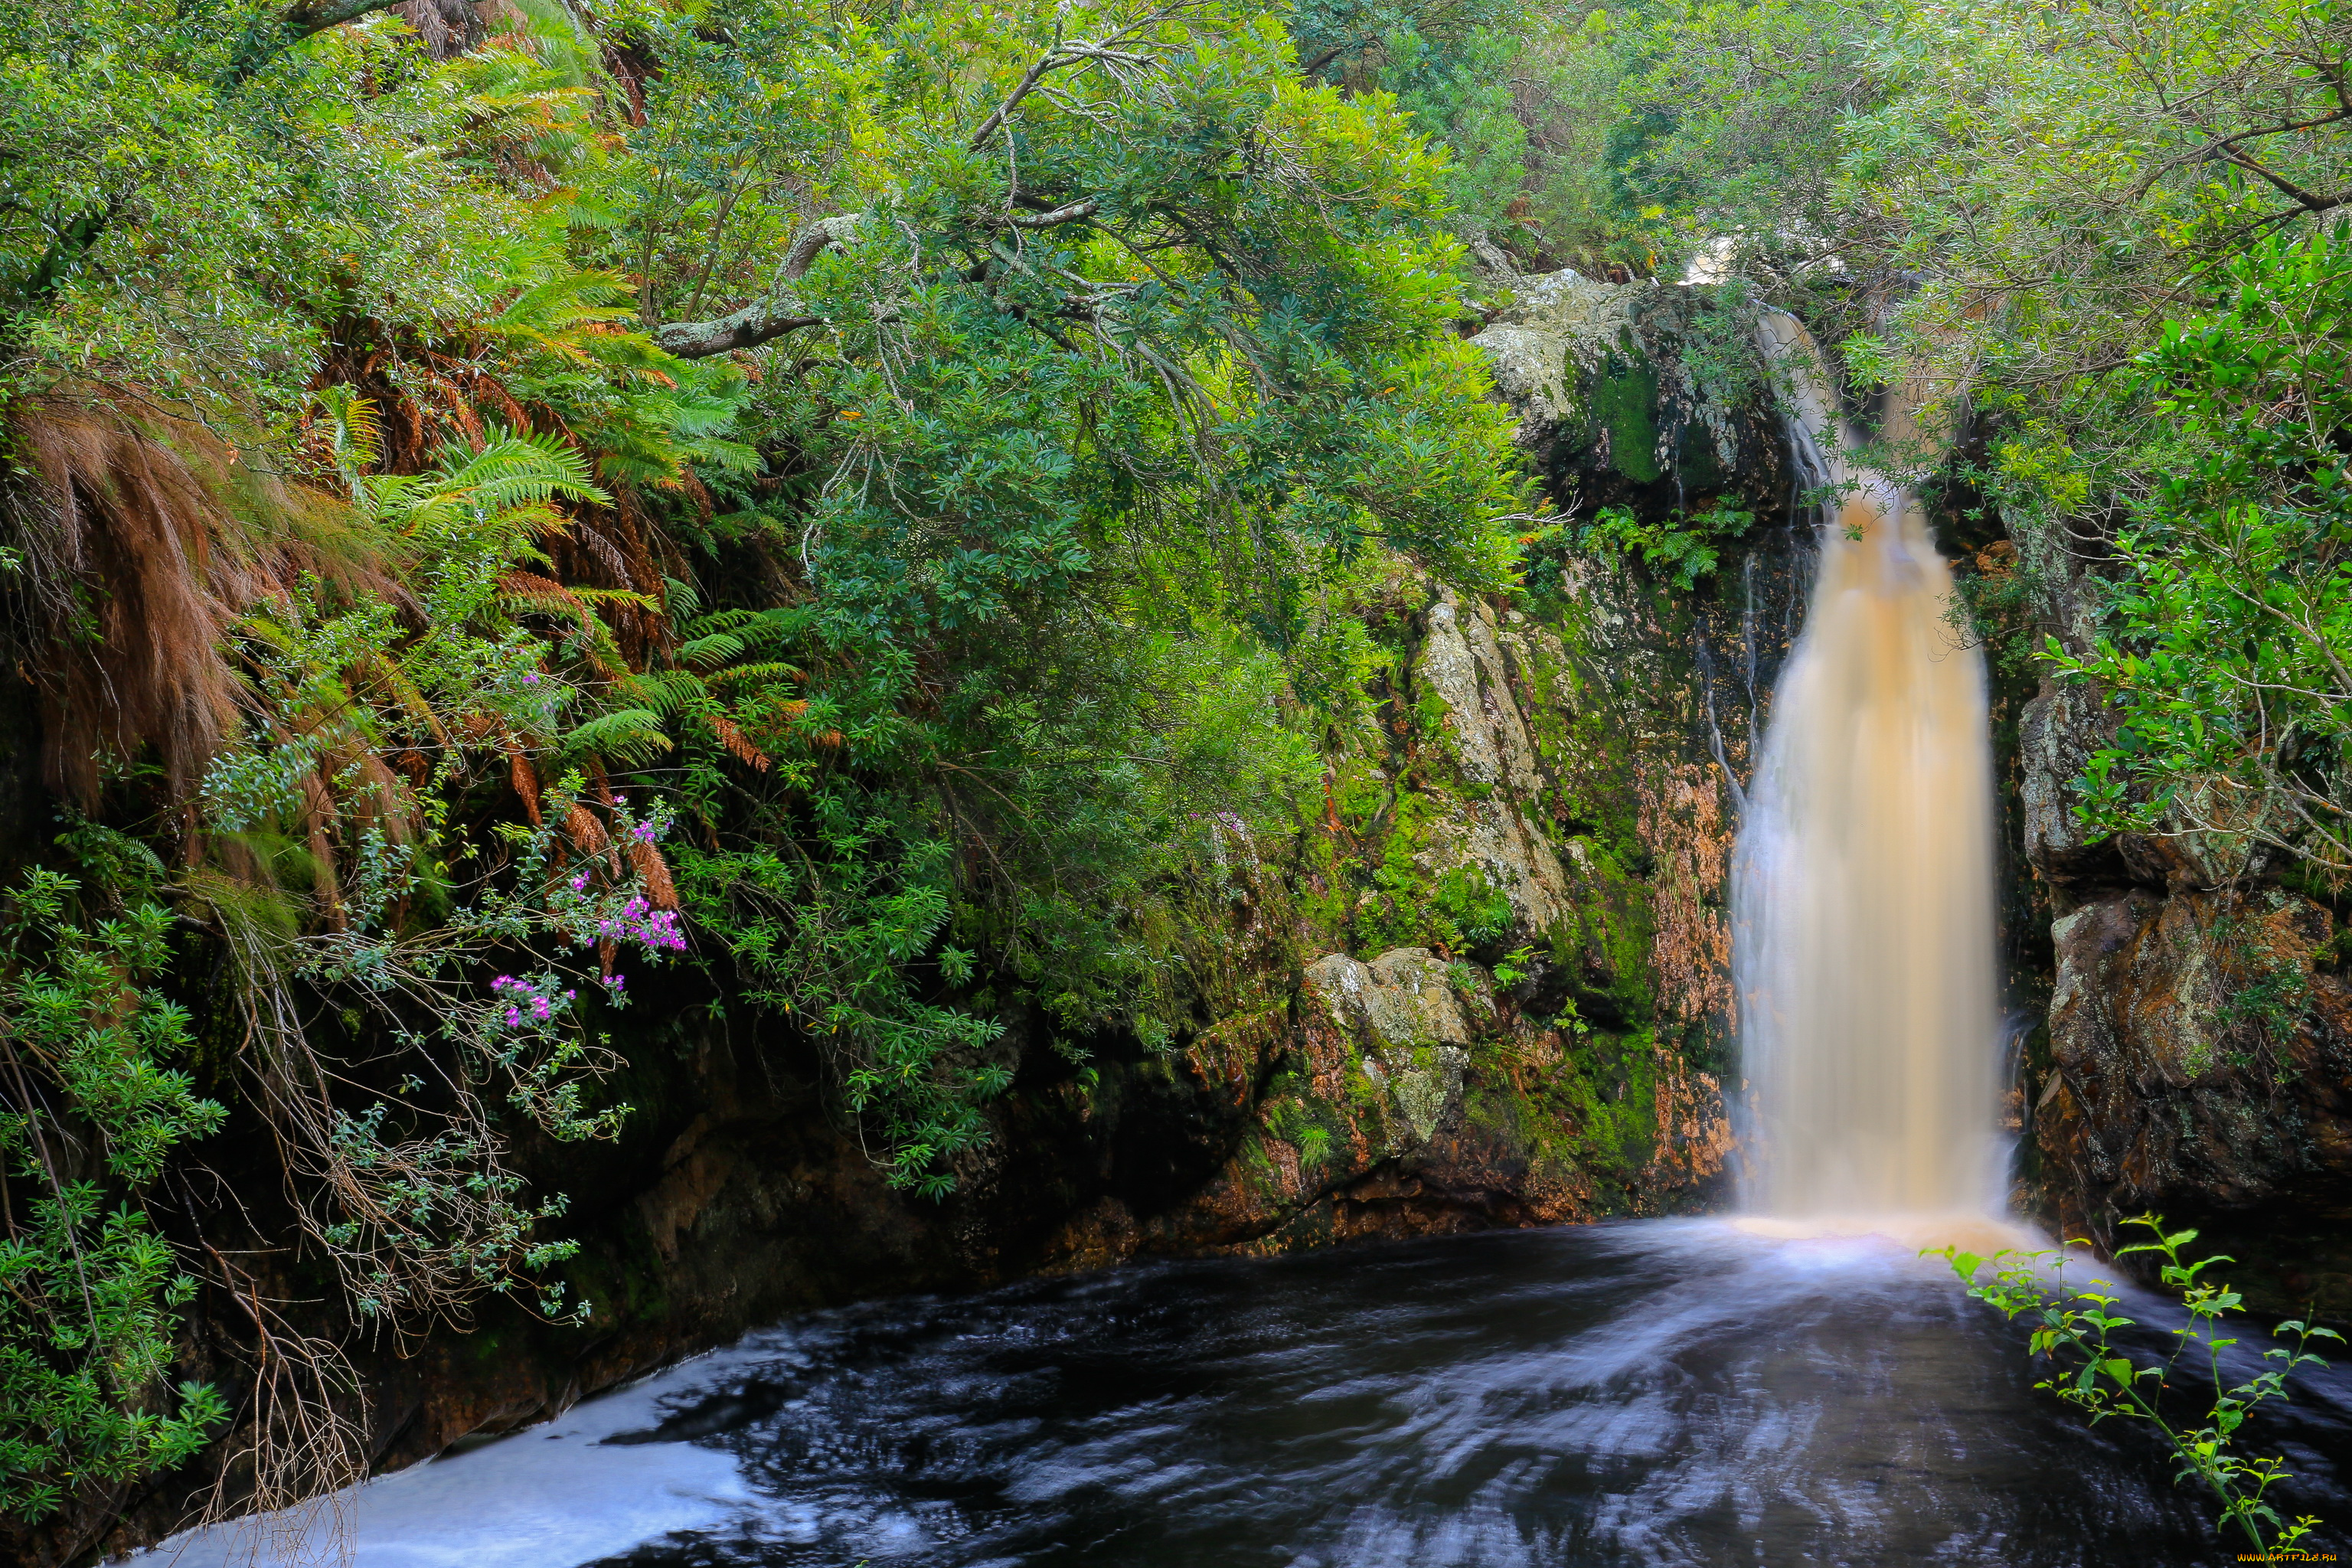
[{"x": 1641, "y": 395}]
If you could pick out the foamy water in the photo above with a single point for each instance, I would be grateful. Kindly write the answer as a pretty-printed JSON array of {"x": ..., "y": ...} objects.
[{"x": 559, "y": 1493}]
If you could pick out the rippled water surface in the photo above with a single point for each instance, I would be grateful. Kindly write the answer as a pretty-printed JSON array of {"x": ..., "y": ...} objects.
[{"x": 1659, "y": 1393}]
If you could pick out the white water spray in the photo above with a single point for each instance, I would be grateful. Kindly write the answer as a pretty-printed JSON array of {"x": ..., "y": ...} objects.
[{"x": 1862, "y": 895}]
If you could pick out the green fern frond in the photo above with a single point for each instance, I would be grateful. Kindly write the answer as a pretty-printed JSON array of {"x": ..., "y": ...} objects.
[
  {"x": 502, "y": 492},
  {"x": 632, "y": 351},
  {"x": 515, "y": 470},
  {"x": 563, "y": 300},
  {"x": 570, "y": 315},
  {"x": 663, "y": 693},
  {"x": 629, "y": 596},
  {"x": 733, "y": 459},
  {"x": 772, "y": 671},
  {"x": 721, "y": 621},
  {"x": 709, "y": 652},
  {"x": 354, "y": 429},
  {"x": 628, "y": 737}
]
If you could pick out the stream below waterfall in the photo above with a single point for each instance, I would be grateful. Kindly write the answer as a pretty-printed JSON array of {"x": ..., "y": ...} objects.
[{"x": 1676, "y": 1391}]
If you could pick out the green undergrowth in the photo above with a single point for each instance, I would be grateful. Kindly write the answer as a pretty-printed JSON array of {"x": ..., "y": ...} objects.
[{"x": 89, "y": 1293}]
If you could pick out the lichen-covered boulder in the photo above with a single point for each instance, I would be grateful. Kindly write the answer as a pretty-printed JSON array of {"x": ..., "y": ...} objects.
[
  {"x": 1462, "y": 665},
  {"x": 1406, "y": 1099},
  {"x": 2056, "y": 735},
  {"x": 1404, "y": 1029}
]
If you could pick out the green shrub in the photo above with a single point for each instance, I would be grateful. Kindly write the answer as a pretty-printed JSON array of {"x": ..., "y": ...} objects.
[{"x": 2072, "y": 1327}]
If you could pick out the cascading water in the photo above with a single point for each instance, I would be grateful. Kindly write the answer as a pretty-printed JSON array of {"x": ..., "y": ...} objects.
[{"x": 1862, "y": 893}]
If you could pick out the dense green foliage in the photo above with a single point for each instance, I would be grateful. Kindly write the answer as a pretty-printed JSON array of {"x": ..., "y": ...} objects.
[
  {"x": 87, "y": 1289},
  {"x": 1683, "y": 548},
  {"x": 852, "y": 495},
  {"x": 2227, "y": 638}
]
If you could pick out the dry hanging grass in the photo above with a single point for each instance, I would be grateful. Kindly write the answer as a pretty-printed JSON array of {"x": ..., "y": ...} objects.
[
  {"x": 141, "y": 539},
  {"x": 299, "y": 1437},
  {"x": 130, "y": 573}
]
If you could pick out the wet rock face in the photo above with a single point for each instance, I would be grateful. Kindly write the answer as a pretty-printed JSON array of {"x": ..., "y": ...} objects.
[
  {"x": 1515, "y": 1005},
  {"x": 2198, "y": 1061},
  {"x": 1405, "y": 1035},
  {"x": 2057, "y": 734},
  {"x": 1463, "y": 666},
  {"x": 1634, "y": 394}
]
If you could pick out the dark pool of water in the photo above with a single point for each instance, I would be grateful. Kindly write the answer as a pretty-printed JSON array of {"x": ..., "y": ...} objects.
[
  {"x": 1650, "y": 1394},
  {"x": 1670, "y": 1393}
]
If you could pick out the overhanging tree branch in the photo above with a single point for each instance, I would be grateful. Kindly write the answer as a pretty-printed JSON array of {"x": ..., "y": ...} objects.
[
  {"x": 1068, "y": 212},
  {"x": 782, "y": 312},
  {"x": 2308, "y": 200},
  {"x": 2227, "y": 147},
  {"x": 745, "y": 328},
  {"x": 766, "y": 319},
  {"x": 268, "y": 40},
  {"x": 1076, "y": 51}
]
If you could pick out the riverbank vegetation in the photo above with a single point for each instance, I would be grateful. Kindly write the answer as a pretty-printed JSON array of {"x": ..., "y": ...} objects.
[{"x": 865, "y": 498}]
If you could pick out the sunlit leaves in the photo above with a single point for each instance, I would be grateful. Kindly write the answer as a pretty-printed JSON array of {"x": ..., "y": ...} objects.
[{"x": 2226, "y": 640}]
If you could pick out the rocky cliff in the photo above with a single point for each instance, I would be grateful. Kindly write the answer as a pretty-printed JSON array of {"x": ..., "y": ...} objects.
[{"x": 2198, "y": 1060}]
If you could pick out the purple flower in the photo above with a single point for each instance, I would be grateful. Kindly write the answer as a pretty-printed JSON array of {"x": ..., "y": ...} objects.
[{"x": 531, "y": 678}]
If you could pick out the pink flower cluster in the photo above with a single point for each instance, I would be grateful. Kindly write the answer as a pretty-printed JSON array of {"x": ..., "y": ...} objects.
[
  {"x": 529, "y": 1003},
  {"x": 655, "y": 931}
]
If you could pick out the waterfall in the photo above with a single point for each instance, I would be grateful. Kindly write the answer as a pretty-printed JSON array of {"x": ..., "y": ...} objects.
[{"x": 1862, "y": 891}]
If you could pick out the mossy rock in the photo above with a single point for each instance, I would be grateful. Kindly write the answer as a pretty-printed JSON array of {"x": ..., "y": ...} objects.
[{"x": 1654, "y": 397}]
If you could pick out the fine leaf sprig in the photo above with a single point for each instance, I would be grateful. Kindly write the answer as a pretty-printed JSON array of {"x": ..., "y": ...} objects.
[{"x": 2075, "y": 1328}]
